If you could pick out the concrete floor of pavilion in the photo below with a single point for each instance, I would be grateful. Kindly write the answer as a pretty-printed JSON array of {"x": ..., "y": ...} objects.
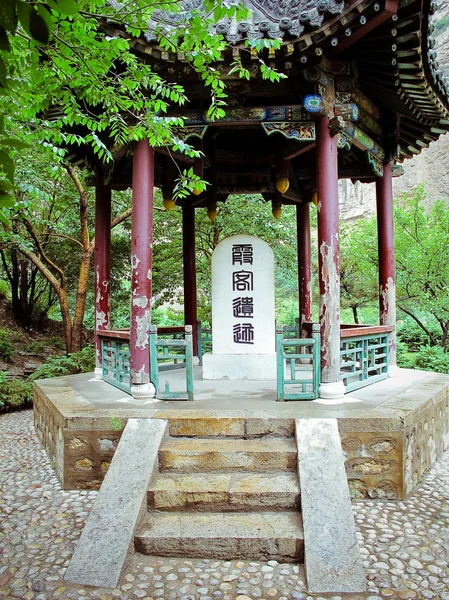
[{"x": 246, "y": 395}]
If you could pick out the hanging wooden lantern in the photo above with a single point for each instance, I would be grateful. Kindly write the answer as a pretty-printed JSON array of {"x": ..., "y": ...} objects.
[
  {"x": 282, "y": 184},
  {"x": 168, "y": 203}
]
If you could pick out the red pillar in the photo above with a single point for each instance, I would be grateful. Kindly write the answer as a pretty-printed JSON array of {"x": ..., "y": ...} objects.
[
  {"x": 141, "y": 264},
  {"x": 304, "y": 263},
  {"x": 329, "y": 260},
  {"x": 189, "y": 260},
  {"x": 102, "y": 263},
  {"x": 385, "y": 236}
]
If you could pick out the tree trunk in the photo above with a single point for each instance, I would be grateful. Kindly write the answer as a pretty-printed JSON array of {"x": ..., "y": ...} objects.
[
  {"x": 408, "y": 312},
  {"x": 80, "y": 305},
  {"x": 355, "y": 314}
]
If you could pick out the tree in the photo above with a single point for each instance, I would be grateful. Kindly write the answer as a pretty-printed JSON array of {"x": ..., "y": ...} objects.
[
  {"x": 358, "y": 265},
  {"x": 48, "y": 244},
  {"x": 422, "y": 261},
  {"x": 60, "y": 55}
]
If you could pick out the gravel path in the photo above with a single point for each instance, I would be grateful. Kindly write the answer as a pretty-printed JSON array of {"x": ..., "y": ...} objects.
[{"x": 405, "y": 545}]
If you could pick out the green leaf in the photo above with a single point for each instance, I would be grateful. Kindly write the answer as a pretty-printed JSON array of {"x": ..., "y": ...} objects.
[
  {"x": 5, "y": 186},
  {"x": 8, "y": 19},
  {"x": 4, "y": 41},
  {"x": 24, "y": 11},
  {"x": 14, "y": 143},
  {"x": 65, "y": 7},
  {"x": 7, "y": 164},
  {"x": 3, "y": 79},
  {"x": 6, "y": 200},
  {"x": 45, "y": 14},
  {"x": 2, "y": 122},
  {"x": 39, "y": 29}
]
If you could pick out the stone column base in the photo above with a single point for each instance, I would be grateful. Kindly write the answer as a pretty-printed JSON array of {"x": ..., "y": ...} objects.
[
  {"x": 393, "y": 371},
  {"x": 332, "y": 391},
  {"x": 98, "y": 373},
  {"x": 144, "y": 391}
]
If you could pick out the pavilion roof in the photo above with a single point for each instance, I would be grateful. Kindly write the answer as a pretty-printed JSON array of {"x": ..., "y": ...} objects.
[{"x": 381, "y": 52}]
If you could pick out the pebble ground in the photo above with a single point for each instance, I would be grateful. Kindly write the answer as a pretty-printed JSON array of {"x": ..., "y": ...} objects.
[{"x": 404, "y": 545}]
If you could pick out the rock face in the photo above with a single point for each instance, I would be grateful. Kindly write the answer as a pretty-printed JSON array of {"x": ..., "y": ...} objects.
[{"x": 430, "y": 167}]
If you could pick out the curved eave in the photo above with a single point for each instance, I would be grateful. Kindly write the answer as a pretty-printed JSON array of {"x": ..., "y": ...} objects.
[
  {"x": 401, "y": 76},
  {"x": 320, "y": 32}
]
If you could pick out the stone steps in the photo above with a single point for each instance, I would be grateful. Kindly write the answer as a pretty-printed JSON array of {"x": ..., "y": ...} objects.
[
  {"x": 224, "y": 492},
  {"x": 225, "y": 536},
  {"x": 234, "y": 495},
  {"x": 190, "y": 455}
]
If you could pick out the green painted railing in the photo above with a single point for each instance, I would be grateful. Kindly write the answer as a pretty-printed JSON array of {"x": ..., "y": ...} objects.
[
  {"x": 298, "y": 365},
  {"x": 115, "y": 362},
  {"x": 172, "y": 350},
  {"x": 292, "y": 331},
  {"x": 364, "y": 357},
  {"x": 204, "y": 337}
]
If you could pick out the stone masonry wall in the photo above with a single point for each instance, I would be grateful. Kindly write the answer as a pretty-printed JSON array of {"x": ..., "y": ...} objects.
[
  {"x": 81, "y": 457},
  {"x": 49, "y": 424},
  {"x": 87, "y": 456},
  {"x": 374, "y": 464},
  {"x": 424, "y": 442},
  {"x": 390, "y": 464}
]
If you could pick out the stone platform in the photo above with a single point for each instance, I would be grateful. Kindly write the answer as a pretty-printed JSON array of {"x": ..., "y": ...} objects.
[{"x": 392, "y": 432}]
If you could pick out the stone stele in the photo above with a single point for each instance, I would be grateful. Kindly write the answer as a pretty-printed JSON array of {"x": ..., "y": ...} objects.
[{"x": 243, "y": 322}]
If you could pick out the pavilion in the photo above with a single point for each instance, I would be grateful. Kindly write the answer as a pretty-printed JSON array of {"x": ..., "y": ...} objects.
[{"x": 363, "y": 92}]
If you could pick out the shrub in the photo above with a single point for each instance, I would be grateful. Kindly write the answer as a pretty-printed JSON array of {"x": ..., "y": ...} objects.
[
  {"x": 432, "y": 359},
  {"x": 77, "y": 362},
  {"x": 18, "y": 393},
  {"x": 36, "y": 347},
  {"x": 7, "y": 351},
  {"x": 411, "y": 334},
  {"x": 405, "y": 359},
  {"x": 15, "y": 393}
]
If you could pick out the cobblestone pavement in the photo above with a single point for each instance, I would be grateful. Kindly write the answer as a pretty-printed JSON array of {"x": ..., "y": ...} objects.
[{"x": 405, "y": 545}]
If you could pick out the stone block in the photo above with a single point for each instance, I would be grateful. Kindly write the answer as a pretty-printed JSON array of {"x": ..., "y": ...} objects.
[
  {"x": 102, "y": 549},
  {"x": 263, "y": 536},
  {"x": 225, "y": 492},
  {"x": 204, "y": 425},
  {"x": 200, "y": 455},
  {"x": 332, "y": 557}
]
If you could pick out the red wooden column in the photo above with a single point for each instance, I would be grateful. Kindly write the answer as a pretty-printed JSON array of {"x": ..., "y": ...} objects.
[
  {"x": 329, "y": 261},
  {"x": 102, "y": 263},
  {"x": 141, "y": 275},
  {"x": 385, "y": 236},
  {"x": 189, "y": 260},
  {"x": 304, "y": 263}
]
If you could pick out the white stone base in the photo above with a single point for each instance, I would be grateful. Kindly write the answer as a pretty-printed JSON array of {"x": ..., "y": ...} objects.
[
  {"x": 393, "y": 371},
  {"x": 98, "y": 372},
  {"x": 332, "y": 391},
  {"x": 144, "y": 391},
  {"x": 238, "y": 367}
]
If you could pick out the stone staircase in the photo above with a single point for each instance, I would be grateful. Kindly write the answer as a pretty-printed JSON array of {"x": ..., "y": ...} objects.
[{"x": 225, "y": 498}]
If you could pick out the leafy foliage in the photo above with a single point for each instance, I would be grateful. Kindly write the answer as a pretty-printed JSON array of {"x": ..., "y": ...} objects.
[
  {"x": 17, "y": 393},
  {"x": 7, "y": 351},
  {"x": 55, "y": 366},
  {"x": 77, "y": 59},
  {"x": 413, "y": 336},
  {"x": 432, "y": 359}
]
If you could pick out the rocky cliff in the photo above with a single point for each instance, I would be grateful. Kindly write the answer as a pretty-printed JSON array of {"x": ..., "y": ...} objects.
[{"x": 430, "y": 167}]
